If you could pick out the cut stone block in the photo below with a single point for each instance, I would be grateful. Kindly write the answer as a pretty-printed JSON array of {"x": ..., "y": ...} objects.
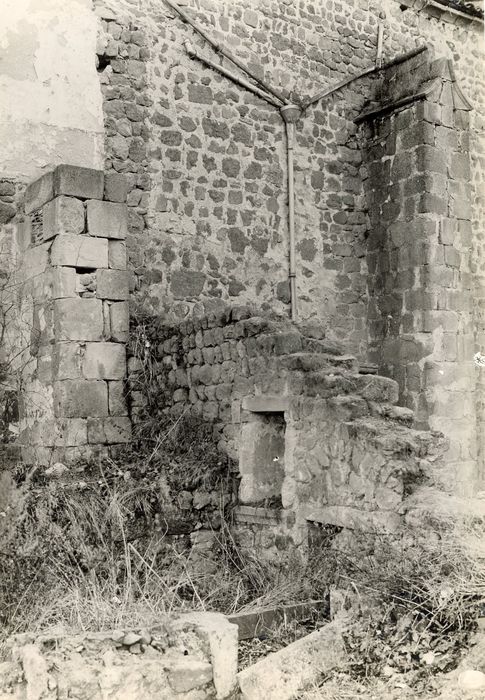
[
  {"x": 39, "y": 192},
  {"x": 35, "y": 261},
  {"x": 116, "y": 399},
  {"x": 79, "y": 251},
  {"x": 62, "y": 215},
  {"x": 107, "y": 219},
  {"x": 80, "y": 398},
  {"x": 85, "y": 183},
  {"x": 72, "y": 432},
  {"x": 62, "y": 283},
  {"x": 110, "y": 431},
  {"x": 119, "y": 321},
  {"x": 112, "y": 284},
  {"x": 67, "y": 360},
  {"x": 115, "y": 187},
  {"x": 266, "y": 404},
  {"x": 70, "y": 180},
  {"x": 104, "y": 361},
  {"x": 78, "y": 319},
  {"x": 117, "y": 255}
]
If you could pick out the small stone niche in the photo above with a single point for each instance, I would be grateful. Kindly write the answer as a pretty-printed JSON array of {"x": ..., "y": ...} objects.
[
  {"x": 86, "y": 282},
  {"x": 262, "y": 457}
]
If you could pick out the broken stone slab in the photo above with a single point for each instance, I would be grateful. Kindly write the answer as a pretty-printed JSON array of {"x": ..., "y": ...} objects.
[
  {"x": 222, "y": 637},
  {"x": 71, "y": 180},
  {"x": 252, "y": 624},
  {"x": 286, "y": 673}
]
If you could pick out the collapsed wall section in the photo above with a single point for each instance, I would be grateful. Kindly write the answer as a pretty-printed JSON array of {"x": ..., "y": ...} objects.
[{"x": 69, "y": 318}]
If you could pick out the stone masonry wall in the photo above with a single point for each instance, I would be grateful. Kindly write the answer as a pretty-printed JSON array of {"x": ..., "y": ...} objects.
[
  {"x": 419, "y": 254},
  {"x": 207, "y": 163},
  {"x": 315, "y": 440},
  {"x": 68, "y": 318}
]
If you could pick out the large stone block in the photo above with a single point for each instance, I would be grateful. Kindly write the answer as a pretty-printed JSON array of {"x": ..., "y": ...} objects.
[
  {"x": 70, "y": 180},
  {"x": 119, "y": 321},
  {"x": 85, "y": 183},
  {"x": 62, "y": 215},
  {"x": 79, "y": 251},
  {"x": 80, "y": 398},
  {"x": 107, "y": 219},
  {"x": 78, "y": 319},
  {"x": 110, "y": 431},
  {"x": 112, "y": 284},
  {"x": 104, "y": 361}
]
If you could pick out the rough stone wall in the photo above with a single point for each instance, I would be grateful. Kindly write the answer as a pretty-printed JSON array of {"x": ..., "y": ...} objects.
[
  {"x": 419, "y": 254},
  {"x": 51, "y": 102},
  {"x": 189, "y": 657},
  {"x": 205, "y": 364},
  {"x": 315, "y": 439},
  {"x": 68, "y": 318},
  {"x": 208, "y": 159}
]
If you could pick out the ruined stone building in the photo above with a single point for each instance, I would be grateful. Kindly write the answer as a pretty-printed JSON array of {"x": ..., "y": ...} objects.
[{"x": 137, "y": 176}]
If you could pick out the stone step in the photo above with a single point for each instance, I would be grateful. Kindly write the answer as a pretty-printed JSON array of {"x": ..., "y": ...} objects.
[
  {"x": 324, "y": 346},
  {"x": 311, "y": 361},
  {"x": 325, "y": 383}
]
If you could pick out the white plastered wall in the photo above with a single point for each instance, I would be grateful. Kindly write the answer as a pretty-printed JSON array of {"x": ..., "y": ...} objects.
[{"x": 50, "y": 99}]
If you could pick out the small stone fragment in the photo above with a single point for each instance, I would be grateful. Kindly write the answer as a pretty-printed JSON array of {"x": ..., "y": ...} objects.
[{"x": 131, "y": 638}]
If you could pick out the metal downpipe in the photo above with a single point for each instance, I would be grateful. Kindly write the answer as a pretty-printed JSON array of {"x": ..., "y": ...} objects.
[{"x": 290, "y": 114}]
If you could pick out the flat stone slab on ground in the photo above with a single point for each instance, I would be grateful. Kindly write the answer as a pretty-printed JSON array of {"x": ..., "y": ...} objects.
[{"x": 284, "y": 674}]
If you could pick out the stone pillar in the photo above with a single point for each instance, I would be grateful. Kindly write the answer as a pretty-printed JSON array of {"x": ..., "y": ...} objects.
[
  {"x": 420, "y": 285},
  {"x": 72, "y": 320}
]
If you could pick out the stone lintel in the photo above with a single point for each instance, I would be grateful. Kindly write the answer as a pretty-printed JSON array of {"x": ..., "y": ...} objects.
[{"x": 266, "y": 404}]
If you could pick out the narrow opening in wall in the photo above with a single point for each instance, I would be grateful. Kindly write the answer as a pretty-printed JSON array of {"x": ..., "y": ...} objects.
[
  {"x": 262, "y": 459},
  {"x": 103, "y": 62}
]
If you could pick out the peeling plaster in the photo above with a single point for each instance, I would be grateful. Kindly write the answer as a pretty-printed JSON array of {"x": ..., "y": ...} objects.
[{"x": 50, "y": 97}]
